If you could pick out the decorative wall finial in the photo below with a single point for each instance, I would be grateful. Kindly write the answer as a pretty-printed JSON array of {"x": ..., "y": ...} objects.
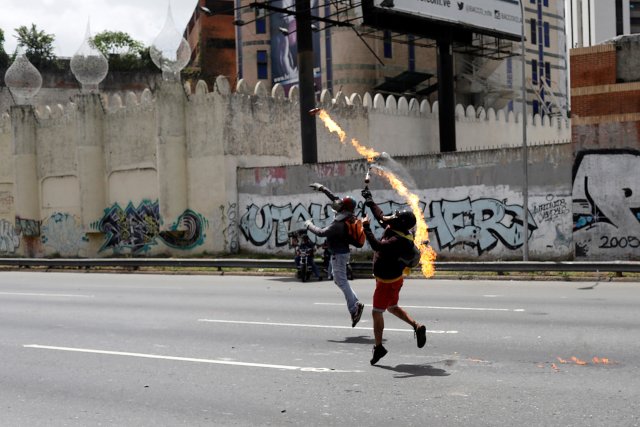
[
  {"x": 88, "y": 65},
  {"x": 170, "y": 51},
  {"x": 23, "y": 79}
]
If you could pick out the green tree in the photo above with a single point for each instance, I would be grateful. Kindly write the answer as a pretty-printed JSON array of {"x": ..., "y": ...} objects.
[
  {"x": 4, "y": 58},
  {"x": 38, "y": 46},
  {"x": 124, "y": 53}
]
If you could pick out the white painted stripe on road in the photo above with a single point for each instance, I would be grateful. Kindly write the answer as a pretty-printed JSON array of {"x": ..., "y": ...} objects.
[
  {"x": 303, "y": 325},
  {"x": 28, "y": 294},
  {"x": 188, "y": 359},
  {"x": 518, "y": 310}
]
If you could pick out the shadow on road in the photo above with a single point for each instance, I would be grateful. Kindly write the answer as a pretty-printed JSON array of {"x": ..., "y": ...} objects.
[
  {"x": 410, "y": 371},
  {"x": 362, "y": 339}
]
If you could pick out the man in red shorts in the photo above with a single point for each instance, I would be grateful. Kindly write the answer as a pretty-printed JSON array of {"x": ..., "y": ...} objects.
[{"x": 395, "y": 246}]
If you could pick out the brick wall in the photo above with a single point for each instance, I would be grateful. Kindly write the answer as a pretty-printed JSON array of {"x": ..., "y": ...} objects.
[
  {"x": 605, "y": 100},
  {"x": 593, "y": 66}
]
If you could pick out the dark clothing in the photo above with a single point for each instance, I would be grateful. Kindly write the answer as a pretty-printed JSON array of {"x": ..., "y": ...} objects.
[
  {"x": 311, "y": 262},
  {"x": 389, "y": 249},
  {"x": 335, "y": 233}
]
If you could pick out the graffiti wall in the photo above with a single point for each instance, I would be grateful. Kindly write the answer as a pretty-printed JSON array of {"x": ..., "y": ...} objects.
[
  {"x": 136, "y": 229},
  {"x": 464, "y": 222},
  {"x": 606, "y": 204}
]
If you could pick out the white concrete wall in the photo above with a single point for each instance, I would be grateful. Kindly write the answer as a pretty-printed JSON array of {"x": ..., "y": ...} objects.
[
  {"x": 471, "y": 202},
  {"x": 104, "y": 186}
]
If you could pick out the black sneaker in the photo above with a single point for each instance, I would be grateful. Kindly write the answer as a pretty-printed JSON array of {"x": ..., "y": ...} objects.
[
  {"x": 356, "y": 317},
  {"x": 378, "y": 353},
  {"x": 421, "y": 335}
]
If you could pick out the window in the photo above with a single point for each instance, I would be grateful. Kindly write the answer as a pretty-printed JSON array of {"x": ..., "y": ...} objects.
[
  {"x": 263, "y": 71},
  {"x": 220, "y": 7},
  {"x": 536, "y": 107},
  {"x": 546, "y": 3},
  {"x": 534, "y": 32},
  {"x": 534, "y": 71},
  {"x": 261, "y": 22},
  {"x": 221, "y": 43},
  {"x": 547, "y": 72},
  {"x": 545, "y": 27},
  {"x": 388, "y": 52}
]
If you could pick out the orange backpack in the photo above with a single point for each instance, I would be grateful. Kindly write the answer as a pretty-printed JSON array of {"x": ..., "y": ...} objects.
[{"x": 355, "y": 231}]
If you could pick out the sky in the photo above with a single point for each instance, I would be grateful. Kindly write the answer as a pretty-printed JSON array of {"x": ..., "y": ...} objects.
[{"x": 67, "y": 19}]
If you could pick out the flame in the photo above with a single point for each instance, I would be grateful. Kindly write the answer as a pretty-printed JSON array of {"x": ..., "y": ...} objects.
[
  {"x": 578, "y": 361},
  {"x": 427, "y": 254},
  {"x": 331, "y": 125},
  {"x": 596, "y": 360}
]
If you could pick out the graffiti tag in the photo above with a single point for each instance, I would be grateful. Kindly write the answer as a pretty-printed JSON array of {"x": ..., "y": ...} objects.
[
  {"x": 62, "y": 233},
  {"x": 480, "y": 224},
  {"x": 138, "y": 228},
  {"x": 551, "y": 210},
  {"x": 9, "y": 238}
]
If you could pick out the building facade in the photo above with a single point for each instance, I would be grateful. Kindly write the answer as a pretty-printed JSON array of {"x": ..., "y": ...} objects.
[
  {"x": 360, "y": 59},
  {"x": 211, "y": 35},
  {"x": 605, "y": 94},
  {"x": 590, "y": 22}
]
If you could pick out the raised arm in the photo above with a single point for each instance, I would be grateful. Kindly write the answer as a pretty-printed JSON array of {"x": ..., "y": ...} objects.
[
  {"x": 319, "y": 187},
  {"x": 375, "y": 209}
]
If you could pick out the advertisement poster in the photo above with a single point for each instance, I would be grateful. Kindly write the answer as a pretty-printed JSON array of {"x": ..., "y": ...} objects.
[{"x": 284, "y": 51}]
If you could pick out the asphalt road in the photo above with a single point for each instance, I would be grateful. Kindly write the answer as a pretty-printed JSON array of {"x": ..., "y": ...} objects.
[{"x": 82, "y": 349}]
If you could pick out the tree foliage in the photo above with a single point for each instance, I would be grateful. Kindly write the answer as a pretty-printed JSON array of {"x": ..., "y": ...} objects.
[
  {"x": 4, "y": 58},
  {"x": 124, "y": 53},
  {"x": 38, "y": 46}
]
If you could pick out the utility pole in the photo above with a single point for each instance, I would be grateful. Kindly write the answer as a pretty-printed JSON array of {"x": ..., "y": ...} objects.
[
  {"x": 446, "y": 94},
  {"x": 525, "y": 153},
  {"x": 306, "y": 82}
]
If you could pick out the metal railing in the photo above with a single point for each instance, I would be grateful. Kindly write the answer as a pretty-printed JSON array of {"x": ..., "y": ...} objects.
[{"x": 359, "y": 266}]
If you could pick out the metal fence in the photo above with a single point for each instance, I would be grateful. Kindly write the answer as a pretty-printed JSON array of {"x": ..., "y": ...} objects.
[{"x": 358, "y": 266}]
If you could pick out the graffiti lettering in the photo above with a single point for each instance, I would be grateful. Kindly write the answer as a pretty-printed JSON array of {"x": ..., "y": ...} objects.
[
  {"x": 63, "y": 234},
  {"x": 137, "y": 228},
  {"x": 608, "y": 242},
  {"x": 480, "y": 224},
  {"x": 9, "y": 238},
  {"x": 27, "y": 227},
  {"x": 327, "y": 170},
  {"x": 6, "y": 202},
  {"x": 187, "y": 232},
  {"x": 606, "y": 190},
  {"x": 230, "y": 233},
  {"x": 257, "y": 224},
  {"x": 551, "y": 210}
]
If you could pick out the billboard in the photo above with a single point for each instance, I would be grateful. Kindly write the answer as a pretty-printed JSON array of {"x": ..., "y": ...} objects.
[
  {"x": 495, "y": 17},
  {"x": 284, "y": 49}
]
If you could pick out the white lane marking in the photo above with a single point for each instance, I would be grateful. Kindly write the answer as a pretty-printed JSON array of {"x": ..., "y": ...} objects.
[
  {"x": 188, "y": 359},
  {"x": 30, "y": 294},
  {"x": 302, "y": 325},
  {"x": 518, "y": 310}
]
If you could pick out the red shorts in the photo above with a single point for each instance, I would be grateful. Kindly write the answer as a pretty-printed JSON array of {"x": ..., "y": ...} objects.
[{"x": 387, "y": 293}]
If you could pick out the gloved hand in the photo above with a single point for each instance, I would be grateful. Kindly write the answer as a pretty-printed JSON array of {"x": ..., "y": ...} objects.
[
  {"x": 308, "y": 222},
  {"x": 368, "y": 198},
  {"x": 366, "y": 222},
  {"x": 316, "y": 186}
]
